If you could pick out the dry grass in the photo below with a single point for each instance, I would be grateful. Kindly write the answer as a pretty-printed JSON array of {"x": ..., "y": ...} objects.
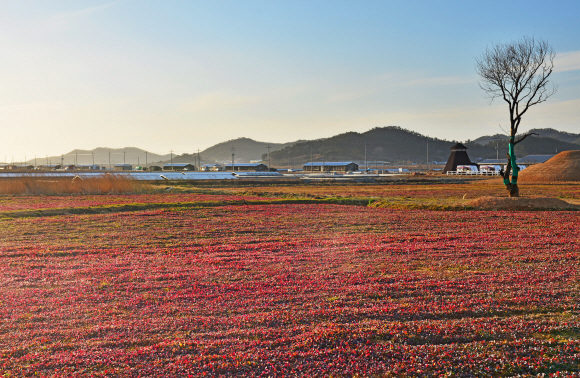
[
  {"x": 47, "y": 185},
  {"x": 564, "y": 167}
]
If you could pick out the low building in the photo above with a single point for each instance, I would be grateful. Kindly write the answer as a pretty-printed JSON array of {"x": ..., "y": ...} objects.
[
  {"x": 330, "y": 166},
  {"x": 212, "y": 168},
  {"x": 247, "y": 167},
  {"x": 50, "y": 167},
  {"x": 155, "y": 168},
  {"x": 534, "y": 159},
  {"x": 123, "y": 167},
  {"x": 526, "y": 161},
  {"x": 20, "y": 167},
  {"x": 89, "y": 167},
  {"x": 179, "y": 167}
]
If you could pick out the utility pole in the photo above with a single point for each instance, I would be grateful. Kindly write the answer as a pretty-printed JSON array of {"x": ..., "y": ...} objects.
[
  {"x": 34, "y": 161},
  {"x": 311, "y": 160},
  {"x": 146, "y": 158},
  {"x": 93, "y": 154},
  {"x": 427, "y": 157},
  {"x": 496, "y": 140},
  {"x": 172, "y": 160},
  {"x": 198, "y": 160},
  {"x": 366, "y": 167},
  {"x": 124, "y": 158},
  {"x": 109, "y": 160},
  {"x": 76, "y": 158},
  {"x": 233, "y": 149},
  {"x": 62, "y": 161},
  {"x": 269, "y": 159}
]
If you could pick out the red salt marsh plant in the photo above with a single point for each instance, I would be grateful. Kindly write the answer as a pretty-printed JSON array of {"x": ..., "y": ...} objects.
[
  {"x": 412, "y": 191},
  {"x": 299, "y": 290}
]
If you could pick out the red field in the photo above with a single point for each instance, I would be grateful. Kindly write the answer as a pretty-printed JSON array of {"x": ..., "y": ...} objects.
[
  {"x": 300, "y": 290},
  {"x": 429, "y": 191}
]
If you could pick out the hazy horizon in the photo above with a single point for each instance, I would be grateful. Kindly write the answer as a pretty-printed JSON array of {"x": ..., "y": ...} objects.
[{"x": 183, "y": 75}]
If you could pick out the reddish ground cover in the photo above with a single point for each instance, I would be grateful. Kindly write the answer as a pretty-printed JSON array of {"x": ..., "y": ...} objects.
[
  {"x": 415, "y": 191},
  {"x": 299, "y": 290}
]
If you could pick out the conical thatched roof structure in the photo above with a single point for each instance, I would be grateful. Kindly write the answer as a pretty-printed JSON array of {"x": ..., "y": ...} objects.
[{"x": 458, "y": 157}]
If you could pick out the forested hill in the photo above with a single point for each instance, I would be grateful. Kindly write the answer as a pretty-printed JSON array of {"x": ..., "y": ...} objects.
[
  {"x": 396, "y": 145},
  {"x": 542, "y": 133},
  {"x": 246, "y": 149},
  {"x": 392, "y": 144}
]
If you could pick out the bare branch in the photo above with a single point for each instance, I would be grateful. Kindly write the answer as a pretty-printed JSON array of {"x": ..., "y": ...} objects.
[
  {"x": 518, "y": 72},
  {"x": 524, "y": 137},
  {"x": 504, "y": 130}
]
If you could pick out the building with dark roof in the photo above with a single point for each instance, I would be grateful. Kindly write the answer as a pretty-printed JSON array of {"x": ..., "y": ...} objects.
[
  {"x": 458, "y": 157},
  {"x": 123, "y": 167},
  {"x": 330, "y": 166},
  {"x": 179, "y": 167},
  {"x": 247, "y": 167}
]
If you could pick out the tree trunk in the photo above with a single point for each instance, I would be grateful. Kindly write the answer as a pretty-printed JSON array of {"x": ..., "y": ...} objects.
[
  {"x": 512, "y": 187},
  {"x": 513, "y": 190}
]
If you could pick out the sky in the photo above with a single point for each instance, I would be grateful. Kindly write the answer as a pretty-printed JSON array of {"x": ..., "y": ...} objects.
[{"x": 181, "y": 75}]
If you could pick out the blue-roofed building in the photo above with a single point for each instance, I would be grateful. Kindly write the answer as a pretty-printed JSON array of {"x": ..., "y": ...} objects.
[
  {"x": 247, "y": 167},
  {"x": 526, "y": 160},
  {"x": 330, "y": 166},
  {"x": 535, "y": 159}
]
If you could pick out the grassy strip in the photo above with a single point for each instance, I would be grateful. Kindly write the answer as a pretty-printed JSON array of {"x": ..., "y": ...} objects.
[
  {"x": 183, "y": 205},
  {"x": 119, "y": 208}
]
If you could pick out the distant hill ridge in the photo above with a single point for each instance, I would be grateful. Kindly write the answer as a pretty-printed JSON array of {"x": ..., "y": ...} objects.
[
  {"x": 394, "y": 144},
  {"x": 543, "y": 133},
  {"x": 102, "y": 156},
  {"x": 246, "y": 149},
  {"x": 391, "y": 144}
]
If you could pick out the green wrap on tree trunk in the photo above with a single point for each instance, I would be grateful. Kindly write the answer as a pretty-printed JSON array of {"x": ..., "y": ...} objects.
[{"x": 515, "y": 168}]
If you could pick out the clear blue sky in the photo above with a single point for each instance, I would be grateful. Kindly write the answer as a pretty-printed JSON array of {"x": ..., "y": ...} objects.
[{"x": 183, "y": 75}]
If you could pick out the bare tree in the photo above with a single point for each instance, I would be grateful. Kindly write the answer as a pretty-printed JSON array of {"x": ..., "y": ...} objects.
[{"x": 518, "y": 73}]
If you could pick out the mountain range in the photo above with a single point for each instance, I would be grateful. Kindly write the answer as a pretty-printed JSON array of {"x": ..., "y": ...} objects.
[
  {"x": 544, "y": 133},
  {"x": 391, "y": 144},
  {"x": 103, "y": 156},
  {"x": 396, "y": 145}
]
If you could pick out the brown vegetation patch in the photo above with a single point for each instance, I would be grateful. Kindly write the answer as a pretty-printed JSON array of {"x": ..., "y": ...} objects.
[
  {"x": 520, "y": 203},
  {"x": 563, "y": 167},
  {"x": 50, "y": 185}
]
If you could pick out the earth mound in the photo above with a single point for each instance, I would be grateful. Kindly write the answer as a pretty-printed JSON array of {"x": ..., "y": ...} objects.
[
  {"x": 520, "y": 203},
  {"x": 563, "y": 167}
]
